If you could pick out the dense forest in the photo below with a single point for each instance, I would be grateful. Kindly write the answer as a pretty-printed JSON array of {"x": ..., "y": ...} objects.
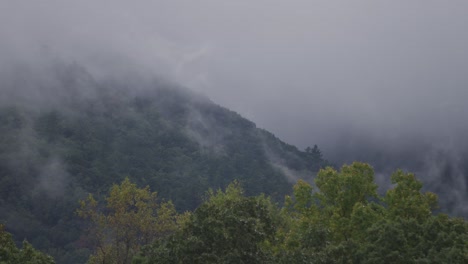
[
  {"x": 67, "y": 143},
  {"x": 208, "y": 131},
  {"x": 134, "y": 171}
]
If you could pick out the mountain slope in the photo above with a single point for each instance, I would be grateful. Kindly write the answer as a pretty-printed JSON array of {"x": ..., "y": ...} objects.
[{"x": 73, "y": 134}]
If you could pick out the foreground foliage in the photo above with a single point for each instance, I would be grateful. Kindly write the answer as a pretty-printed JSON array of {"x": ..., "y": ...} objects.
[
  {"x": 10, "y": 254},
  {"x": 343, "y": 221},
  {"x": 132, "y": 217},
  {"x": 346, "y": 222},
  {"x": 340, "y": 220},
  {"x": 227, "y": 228}
]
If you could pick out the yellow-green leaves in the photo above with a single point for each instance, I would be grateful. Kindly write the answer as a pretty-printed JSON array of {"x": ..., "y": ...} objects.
[
  {"x": 131, "y": 218},
  {"x": 342, "y": 190},
  {"x": 406, "y": 200},
  {"x": 227, "y": 228},
  {"x": 345, "y": 221},
  {"x": 303, "y": 197}
]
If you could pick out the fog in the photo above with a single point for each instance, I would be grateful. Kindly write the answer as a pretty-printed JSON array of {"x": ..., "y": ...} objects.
[{"x": 381, "y": 81}]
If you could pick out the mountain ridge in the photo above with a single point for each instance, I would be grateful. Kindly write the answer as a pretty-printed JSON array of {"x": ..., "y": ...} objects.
[{"x": 83, "y": 135}]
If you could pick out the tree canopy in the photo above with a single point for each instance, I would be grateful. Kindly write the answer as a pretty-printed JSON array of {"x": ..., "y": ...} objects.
[
  {"x": 132, "y": 217},
  {"x": 10, "y": 254},
  {"x": 227, "y": 228},
  {"x": 343, "y": 220}
]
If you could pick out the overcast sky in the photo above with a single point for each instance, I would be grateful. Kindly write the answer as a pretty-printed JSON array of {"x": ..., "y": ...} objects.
[{"x": 313, "y": 72}]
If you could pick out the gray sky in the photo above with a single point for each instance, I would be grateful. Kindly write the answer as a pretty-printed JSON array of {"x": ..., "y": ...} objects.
[{"x": 309, "y": 71}]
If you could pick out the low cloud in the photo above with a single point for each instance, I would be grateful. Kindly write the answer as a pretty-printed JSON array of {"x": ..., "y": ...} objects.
[
  {"x": 379, "y": 81},
  {"x": 52, "y": 178}
]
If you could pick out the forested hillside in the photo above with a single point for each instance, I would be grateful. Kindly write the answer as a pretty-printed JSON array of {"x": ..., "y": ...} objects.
[
  {"x": 122, "y": 170},
  {"x": 73, "y": 134}
]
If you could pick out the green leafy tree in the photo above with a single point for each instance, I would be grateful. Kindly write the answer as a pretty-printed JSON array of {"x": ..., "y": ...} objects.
[
  {"x": 406, "y": 200},
  {"x": 345, "y": 221},
  {"x": 344, "y": 195},
  {"x": 131, "y": 218},
  {"x": 10, "y": 254},
  {"x": 342, "y": 221},
  {"x": 408, "y": 232},
  {"x": 326, "y": 225},
  {"x": 304, "y": 235},
  {"x": 227, "y": 228},
  {"x": 439, "y": 239}
]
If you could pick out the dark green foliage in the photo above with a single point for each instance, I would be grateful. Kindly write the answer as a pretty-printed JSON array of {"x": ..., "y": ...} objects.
[
  {"x": 346, "y": 222},
  {"x": 177, "y": 142},
  {"x": 10, "y": 254},
  {"x": 227, "y": 228},
  {"x": 439, "y": 239},
  {"x": 131, "y": 218}
]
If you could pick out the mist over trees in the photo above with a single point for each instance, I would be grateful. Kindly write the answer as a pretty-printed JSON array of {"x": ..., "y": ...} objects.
[
  {"x": 106, "y": 157},
  {"x": 441, "y": 164},
  {"x": 82, "y": 134}
]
